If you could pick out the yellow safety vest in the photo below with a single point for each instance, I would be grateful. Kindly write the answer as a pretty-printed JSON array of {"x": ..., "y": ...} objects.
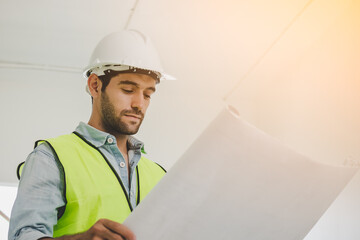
[{"x": 93, "y": 190}]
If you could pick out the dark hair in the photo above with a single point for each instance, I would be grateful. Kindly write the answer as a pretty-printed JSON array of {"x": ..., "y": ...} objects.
[{"x": 105, "y": 79}]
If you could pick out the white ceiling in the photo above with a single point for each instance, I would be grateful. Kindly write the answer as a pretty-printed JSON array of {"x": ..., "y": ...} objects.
[
  {"x": 191, "y": 36},
  {"x": 210, "y": 46}
]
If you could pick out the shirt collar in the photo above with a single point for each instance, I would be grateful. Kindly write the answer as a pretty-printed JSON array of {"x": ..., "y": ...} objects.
[{"x": 98, "y": 138}]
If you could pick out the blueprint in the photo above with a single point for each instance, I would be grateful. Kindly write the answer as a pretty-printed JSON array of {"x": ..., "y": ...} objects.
[{"x": 237, "y": 182}]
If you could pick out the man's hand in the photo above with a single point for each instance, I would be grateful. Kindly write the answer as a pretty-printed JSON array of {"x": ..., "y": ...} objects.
[{"x": 104, "y": 229}]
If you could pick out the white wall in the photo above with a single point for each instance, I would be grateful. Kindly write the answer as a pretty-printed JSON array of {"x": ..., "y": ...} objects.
[
  {"x": 8, "y": 194},
  {"x": 37, "y": 105}
]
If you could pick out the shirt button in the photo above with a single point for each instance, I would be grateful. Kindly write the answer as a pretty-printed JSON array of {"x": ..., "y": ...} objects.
[
  {"x": 110, "y": 140},
  {"x": 122, "y": 164}
]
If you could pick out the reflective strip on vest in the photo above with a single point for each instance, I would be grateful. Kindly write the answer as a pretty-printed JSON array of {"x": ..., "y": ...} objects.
[{"x": 92, "y": 188}]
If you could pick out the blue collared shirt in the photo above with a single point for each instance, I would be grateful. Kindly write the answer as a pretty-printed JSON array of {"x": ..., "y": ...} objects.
[{"x": 40, "y": 192}]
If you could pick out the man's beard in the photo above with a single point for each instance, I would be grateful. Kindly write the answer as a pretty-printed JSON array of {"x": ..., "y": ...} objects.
[{"x": 112, "y": 123}]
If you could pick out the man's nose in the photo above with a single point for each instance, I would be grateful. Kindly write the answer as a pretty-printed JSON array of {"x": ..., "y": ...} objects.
[{"x": 138, "y": 101}]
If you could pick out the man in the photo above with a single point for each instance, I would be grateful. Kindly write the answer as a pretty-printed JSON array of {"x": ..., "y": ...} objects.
[{"x": 83, "y": 185}]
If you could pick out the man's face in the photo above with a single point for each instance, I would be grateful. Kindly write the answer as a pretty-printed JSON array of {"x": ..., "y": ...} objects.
[{"x": 124, "y": 102}]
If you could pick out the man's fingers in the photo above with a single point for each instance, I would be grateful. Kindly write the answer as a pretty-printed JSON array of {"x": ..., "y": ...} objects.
[
  {"x": 119, "y": 229},
  {"x": 99, "y": 232},
  {"x": 110, "y": 235}
]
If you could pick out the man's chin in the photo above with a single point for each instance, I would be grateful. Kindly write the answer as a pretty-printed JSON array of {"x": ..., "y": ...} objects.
[{"x": 131, "y": 130}]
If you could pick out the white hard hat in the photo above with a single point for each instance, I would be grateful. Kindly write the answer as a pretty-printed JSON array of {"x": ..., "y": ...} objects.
[{"x": 127, "y": 50}]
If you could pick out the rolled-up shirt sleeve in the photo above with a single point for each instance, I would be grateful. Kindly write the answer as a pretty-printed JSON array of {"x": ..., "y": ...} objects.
[{"x": 39, "y": 197}]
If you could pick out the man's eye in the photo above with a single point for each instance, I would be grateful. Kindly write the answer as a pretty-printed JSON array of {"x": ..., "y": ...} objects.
[
  {"x": 147, "y": 96},
  {"x": 127, "y": 90}
]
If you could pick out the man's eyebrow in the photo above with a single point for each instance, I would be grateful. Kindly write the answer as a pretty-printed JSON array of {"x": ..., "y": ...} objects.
[
  {"x": 128, "y": 82},
  {"x": 152, "y": 89}
]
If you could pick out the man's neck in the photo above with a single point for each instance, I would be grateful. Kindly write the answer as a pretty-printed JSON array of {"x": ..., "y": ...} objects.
[{"x": 121, "y": 139}]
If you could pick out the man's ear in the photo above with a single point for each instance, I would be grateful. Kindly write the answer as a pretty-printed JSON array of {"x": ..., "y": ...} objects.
[{"x": 94, "y": 85}]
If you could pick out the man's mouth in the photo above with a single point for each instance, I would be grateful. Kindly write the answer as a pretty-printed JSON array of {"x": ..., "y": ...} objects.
[{"x": 133, "y": 116}]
